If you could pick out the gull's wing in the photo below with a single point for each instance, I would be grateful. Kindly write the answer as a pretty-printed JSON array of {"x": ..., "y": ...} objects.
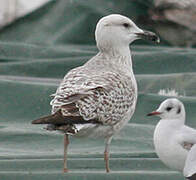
[
  {"x": 190, "y": 164},
  {"x": 187, "y": 137},
  {"x": 105, "y": 97}
]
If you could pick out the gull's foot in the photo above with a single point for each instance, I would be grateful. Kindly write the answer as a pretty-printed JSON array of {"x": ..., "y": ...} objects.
[
  {"x": 65, "y": 170},
  {"x": 107, "y": 170}
]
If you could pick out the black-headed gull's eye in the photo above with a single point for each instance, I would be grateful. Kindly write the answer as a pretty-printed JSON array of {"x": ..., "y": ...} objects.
[{"x": 168, "y": 109}]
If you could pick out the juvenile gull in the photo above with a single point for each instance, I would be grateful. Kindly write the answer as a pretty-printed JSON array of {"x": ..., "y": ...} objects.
[
  {"x": 173, "y": 140},
  {"x": 98, "y": 98}
]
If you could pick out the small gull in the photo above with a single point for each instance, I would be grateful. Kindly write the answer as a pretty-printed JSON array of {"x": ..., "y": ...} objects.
[
  {"x": 99, "y": 98},
  {"x": 174, "y": 141}
]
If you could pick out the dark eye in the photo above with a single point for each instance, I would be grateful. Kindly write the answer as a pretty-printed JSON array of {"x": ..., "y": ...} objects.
[
  {"x": 168, "y": 108},
  {"x": 179, "y": 110},
  {"x": 126, "y": 25}
]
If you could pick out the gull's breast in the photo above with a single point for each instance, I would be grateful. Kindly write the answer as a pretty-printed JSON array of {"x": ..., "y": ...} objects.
[{"x": 168, "y": 148}]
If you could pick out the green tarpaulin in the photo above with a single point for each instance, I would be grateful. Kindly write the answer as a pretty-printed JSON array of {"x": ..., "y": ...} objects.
[{"x": 37, "y": 51}]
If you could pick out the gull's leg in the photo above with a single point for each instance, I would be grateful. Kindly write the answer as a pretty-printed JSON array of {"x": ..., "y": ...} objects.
[
  {"x": 107, "y": 154},
  {"x": 66, "y": 143}
]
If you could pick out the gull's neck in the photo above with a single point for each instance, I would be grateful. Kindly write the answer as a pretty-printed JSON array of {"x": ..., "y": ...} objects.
[
  {"x": 119, "y": 58},
  {"x": 116, "y": 50},
  {"x": 173, "y": 123},
  {"x": 119, "y": 55}
]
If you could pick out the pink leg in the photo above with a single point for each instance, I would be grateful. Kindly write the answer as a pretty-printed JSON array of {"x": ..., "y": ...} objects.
[
  {"x": 107, "y": 155},
  {"x": 106, "y": 158},
  {"x": 66, "y": 143}
]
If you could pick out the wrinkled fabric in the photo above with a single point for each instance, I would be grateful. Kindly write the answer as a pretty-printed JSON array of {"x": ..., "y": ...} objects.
[{"x": 37, "y": 51}]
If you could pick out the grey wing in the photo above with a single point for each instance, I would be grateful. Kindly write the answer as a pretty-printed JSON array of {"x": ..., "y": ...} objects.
[
  {"x": 105, "y": 98},
  {"x": 188, "y": 135},
  {"x": 190, "y": 164}
]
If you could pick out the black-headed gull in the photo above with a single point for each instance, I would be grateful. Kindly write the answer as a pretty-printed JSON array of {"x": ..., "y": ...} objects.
[{"x": 173, "y": 140}]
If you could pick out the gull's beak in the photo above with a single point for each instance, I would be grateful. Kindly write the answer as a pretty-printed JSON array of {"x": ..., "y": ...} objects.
[
  {"x": 148, "y": 35},
  {"x": 154, "y": 113}
]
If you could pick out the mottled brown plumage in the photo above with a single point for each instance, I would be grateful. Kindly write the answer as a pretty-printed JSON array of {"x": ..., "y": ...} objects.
[{"x": 99, "y": 98}]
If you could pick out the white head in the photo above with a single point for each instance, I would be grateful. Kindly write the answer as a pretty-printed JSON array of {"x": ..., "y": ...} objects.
[
  {"x": 117, "y": 31},
  {"x": 170, "y": 109}
]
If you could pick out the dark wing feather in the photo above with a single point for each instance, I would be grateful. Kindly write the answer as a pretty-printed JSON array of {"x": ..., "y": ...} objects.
[{"x": 59, "y": 119}]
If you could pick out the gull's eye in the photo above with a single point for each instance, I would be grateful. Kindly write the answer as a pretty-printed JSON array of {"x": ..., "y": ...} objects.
[
  {"x": 168, "y": 108},
  {"x": 126, "y": 25}
]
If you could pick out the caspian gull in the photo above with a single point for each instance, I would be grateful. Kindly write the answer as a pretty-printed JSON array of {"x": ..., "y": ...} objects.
[
  {"x": 173, "y": 140},
  {"x": 99, "y": 98}
]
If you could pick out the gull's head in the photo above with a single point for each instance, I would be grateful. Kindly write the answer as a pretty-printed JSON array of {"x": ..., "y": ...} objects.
[
  {"x": 171, "y": 108},
  {"x": 117, "y": 31}
]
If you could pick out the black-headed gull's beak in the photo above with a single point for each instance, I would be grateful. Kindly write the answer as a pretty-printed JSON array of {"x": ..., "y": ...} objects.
[{"x": 154, "y": 113}]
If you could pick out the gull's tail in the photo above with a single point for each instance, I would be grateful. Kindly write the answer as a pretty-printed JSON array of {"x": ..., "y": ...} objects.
[
  {"x": 56, "y": 118},
  {"x": 59, "y": 119}
]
